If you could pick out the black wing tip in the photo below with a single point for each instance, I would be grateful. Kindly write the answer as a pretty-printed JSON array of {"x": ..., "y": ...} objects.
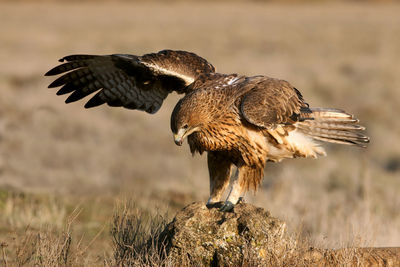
[
  {"x": 71, "y": 98},
  {"x": 49, "y": 73},
  {"x": 60, "y": 93},
  {"x": 88, "y": 106},
  {"x": 67, "y": 88},
  {"x": 69, "y": 58},
  {"x": 94, "y": 101},
  {"x": 54, "y": 84},
  {"x": 76, "y": 57},
  {"x": 56, "y": 70},
  {"x": 53, "y": 71}
]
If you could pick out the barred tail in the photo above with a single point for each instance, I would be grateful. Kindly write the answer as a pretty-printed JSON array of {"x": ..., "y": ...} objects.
[{"x": 334, "y": 126}]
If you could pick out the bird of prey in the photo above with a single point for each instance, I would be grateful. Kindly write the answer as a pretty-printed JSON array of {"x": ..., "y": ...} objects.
[{"x": 238, "y": 120}]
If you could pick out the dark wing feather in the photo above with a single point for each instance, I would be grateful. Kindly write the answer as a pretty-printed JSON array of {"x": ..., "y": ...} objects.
[
  {"x": 269, "y": 102},
  {"x": 126, "y": 80}
]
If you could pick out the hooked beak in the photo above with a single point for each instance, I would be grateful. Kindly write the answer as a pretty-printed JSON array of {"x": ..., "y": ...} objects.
[
  {"x": 178, "y": 137},
  {"x": 182, "y": 133}
]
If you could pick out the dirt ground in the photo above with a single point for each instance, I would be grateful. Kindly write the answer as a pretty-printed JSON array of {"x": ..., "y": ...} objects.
[{"x": 56, "y": 157}]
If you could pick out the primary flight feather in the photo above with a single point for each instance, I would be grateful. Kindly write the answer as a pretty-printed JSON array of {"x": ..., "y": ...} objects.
[{"x": 239, "y": 121}]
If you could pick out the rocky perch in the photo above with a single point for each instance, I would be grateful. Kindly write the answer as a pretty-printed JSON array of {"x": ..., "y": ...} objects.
[
  {"x": 211, "y": 237},
  {"x": 249, "y": 236}
]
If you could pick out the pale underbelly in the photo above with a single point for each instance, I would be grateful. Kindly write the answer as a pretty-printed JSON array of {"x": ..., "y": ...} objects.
[{"x": 278, "y": 147}]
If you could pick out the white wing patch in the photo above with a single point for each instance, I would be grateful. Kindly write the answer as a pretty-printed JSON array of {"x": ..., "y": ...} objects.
[
  {"x": 159, "y": 70},
  {"x": 227, "y": 81},
  {"x": 232, "y": 80}
]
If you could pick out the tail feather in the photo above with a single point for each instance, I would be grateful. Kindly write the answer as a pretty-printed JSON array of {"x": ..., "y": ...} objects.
[{"x": 334, "y": 126}]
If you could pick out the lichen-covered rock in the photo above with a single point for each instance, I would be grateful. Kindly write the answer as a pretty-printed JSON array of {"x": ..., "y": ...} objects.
[{"x": 207, "y": 236}]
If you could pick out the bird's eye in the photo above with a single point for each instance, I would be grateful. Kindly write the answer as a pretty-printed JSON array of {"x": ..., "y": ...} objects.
[{"x": 185, "y": 126}]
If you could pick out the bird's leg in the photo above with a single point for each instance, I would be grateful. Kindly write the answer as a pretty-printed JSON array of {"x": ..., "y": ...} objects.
[
  {"x": 220, "y": 171},
  {"x": 236, "y": 193},
  {"x": 248, "y": 177},
  {"x": 217, "y": 188}
]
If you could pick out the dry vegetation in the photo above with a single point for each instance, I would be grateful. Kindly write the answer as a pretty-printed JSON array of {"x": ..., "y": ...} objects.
[{"x": 62, "y": 167}]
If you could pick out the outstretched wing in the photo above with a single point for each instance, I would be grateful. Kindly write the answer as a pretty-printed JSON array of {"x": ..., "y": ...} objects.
[
  {"x": 269, "y": 102},
  {"x": 134, "y": 82}
]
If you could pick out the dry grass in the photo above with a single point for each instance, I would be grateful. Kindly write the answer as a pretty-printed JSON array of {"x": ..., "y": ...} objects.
[
  {"x": 45, "y": 246},
  {"x": 55, "y": 157},
  {"x": 136, "y": 237}
]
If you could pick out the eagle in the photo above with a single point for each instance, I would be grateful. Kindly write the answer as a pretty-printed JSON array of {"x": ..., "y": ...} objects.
[{"x": 239, "y": 121}]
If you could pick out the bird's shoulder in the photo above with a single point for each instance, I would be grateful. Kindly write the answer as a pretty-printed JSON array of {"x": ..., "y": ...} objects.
[
  {"x": 232, "y": 82},
  {"x": 215, "y": 81}
]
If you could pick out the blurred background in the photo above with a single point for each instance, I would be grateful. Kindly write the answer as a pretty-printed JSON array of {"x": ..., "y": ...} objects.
[{"x": 56, "y": 158}]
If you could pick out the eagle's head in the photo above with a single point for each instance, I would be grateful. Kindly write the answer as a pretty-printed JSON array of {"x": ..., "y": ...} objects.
[{"x": 187, "y": 118}]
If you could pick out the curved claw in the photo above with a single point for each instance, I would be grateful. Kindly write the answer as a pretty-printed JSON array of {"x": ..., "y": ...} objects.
[
  {"x": 212, "y": 205},
  {"x": 227, "y": 206}
]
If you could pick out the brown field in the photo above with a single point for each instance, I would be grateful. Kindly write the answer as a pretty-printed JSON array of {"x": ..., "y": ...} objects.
[{"x": 64, "y": 166}]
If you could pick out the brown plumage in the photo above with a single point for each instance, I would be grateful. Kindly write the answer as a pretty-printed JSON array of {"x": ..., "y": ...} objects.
[{"x": 239, "y": 121}]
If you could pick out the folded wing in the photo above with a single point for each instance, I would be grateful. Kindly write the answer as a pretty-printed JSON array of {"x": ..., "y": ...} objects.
[{"x": 270, "y": 101}]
